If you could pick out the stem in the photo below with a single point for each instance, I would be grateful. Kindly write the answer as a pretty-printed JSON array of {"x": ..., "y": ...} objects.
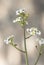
[
  {"x": 38, "y": 57},
  {"x": 26, "y": 55},
  {"x": 18, "y": 48},
  {"x": 28, "y": 37}
]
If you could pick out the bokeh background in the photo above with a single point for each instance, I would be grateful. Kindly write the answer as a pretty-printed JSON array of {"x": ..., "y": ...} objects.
[{"x": 8, "y": 54}]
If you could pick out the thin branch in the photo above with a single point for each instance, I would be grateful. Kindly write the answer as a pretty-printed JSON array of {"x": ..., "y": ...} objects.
[
  {"x": 26, "y": 54},
  {"x": 28, "y": 37},
  {"x": 38, "y": 57},
  {"x": 18, "y": 48}
]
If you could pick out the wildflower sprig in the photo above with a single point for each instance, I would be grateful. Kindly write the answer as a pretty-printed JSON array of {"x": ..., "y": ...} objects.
[
  {"x": 22, "y": 20},
  {"x": 22, "y": 17},
  {"x": 10, "y": 40}
]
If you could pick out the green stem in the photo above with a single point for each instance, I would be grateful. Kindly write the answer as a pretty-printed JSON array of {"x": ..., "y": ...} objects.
[
  {"x": 28, "y": 37},
  {"x": 38, "y": 57},
  {"x": 18, "y": 48},
  {"x": 26, "y": 55}
]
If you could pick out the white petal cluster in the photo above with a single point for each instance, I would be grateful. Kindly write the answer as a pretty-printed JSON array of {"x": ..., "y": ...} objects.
[
  {"x": 18, "y": 12},
  {"x": 21, "y": 18},
  {"x": 17, "y": 19},
  {"x": 33, "y": 31},
  {"x": 8, "y": 40},
  {"x": 41, "y": 41}
]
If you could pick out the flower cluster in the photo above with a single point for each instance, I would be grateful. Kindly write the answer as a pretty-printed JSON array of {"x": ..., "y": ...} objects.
[
  {"x": 41, "y": 41},
  {"x": 22, "y": 17},
  {"x": 33, "y": 31},
  {"x": 9, "y": 39},
  {"x": 18, "y": 12},
  {"x": 17, "y": 20}
]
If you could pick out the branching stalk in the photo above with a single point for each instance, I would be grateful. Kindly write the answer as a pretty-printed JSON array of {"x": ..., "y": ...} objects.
[{"x": 26, "y": 55}]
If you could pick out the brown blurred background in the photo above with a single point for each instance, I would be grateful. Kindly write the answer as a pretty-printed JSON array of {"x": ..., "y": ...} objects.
[{"x": 8, "y": 54}]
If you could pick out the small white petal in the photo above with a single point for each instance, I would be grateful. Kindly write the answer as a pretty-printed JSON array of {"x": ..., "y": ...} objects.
[
  {"x": 6, "y": 41},
  {"x": 14, "y": 21},
  {"x": 38, "y": 33},
  {"x": 17, "y": 12},
  {"x": 27, "y": 29}
]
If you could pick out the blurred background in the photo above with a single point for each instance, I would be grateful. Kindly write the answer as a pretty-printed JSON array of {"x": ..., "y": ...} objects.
[{"x": 8, "y": 54}]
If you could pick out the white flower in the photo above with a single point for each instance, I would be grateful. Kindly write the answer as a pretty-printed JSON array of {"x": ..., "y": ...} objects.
[
  {"x": 33, "y": 31},
  {"x": 27, "y": 29},
  {"x": 41, "y": 41},
  {"x": 17, "y": 19},
  {"x": 38, "y": 32},
  {"x": 8, "y": 40},
  {"x": 18, "y": 12}
]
